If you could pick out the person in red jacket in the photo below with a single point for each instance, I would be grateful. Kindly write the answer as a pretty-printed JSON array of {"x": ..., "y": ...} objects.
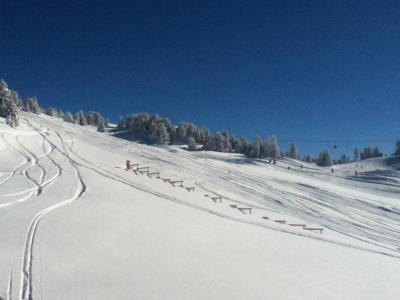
[{"x": 128, "y": 165}]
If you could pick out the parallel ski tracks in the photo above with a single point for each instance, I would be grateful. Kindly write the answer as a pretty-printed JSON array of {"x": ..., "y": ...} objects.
[{"x": 26, "y": 288}]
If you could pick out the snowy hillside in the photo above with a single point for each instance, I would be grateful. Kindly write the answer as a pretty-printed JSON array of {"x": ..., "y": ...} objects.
[{"x": 75, "y": 225}]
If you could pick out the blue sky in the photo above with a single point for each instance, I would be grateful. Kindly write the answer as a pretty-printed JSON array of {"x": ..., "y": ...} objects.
[{"x": 320, "y": 73}]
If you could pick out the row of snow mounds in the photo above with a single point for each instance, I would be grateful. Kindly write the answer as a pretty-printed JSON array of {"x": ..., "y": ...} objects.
[
  {"x": 248, "y": 211},
  {"x": 138, "y": 169}
]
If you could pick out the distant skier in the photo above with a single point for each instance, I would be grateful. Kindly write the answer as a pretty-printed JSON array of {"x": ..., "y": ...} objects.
[
  {"x": 332, "y": 170},
  {"x": 128, "y": 165},
  {"x": 356, "y": 173},
  {"x": 274, "y": 161}
]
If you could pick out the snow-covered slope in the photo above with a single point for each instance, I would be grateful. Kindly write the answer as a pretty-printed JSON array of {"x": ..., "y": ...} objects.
[{"x": 75, "y": 225}]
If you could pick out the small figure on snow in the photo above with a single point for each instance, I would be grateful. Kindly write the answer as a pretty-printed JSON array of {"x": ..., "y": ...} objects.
[
  {"x": 356, "y": 173},
  {"x": 128, "y": 165}
]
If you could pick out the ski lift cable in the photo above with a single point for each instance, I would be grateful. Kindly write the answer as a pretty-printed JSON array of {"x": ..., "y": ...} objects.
[{"x": 336, "y": 142}]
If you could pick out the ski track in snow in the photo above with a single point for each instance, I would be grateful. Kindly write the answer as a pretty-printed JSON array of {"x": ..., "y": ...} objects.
[
  {"x": 26, "y": 274},
  {"x": 97, "y": 169},
  {"x": 19, "y": 166},
  {"x": 356, "y": 218},
  {"x": 33, "y": 160},
  {"x": 316, "y": 207},
  {"x": 15, "y": 169}
]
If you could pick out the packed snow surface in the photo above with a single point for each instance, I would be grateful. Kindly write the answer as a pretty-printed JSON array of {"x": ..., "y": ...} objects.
[{"x": 74, "y": 224}]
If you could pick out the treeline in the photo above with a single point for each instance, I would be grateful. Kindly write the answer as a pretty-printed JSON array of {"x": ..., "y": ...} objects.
[
  {"x": 157, "y": 130},
  {"x": 93, "y": 118},
  {"x": 154, "y": 129}
]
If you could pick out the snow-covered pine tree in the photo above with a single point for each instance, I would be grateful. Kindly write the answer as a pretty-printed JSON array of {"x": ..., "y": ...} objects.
[
  {"x": 244, "y": 145},
  {"x": 32, "y": 105},
  {"x": 357, "y": 154},
  {"x": 26, "y": 106},
  {"x": 293, "y": 151},
  {"x": 344, "y": 159},
  {"x": 159, "y": 135},
  {"x": 367, "y": 153},
  {"x": 8, "y": 107},
  {"x": 397, "y": 148},
  {"x": 77, "y": 118},
  {"x": 219, "y": 142},
  {"x": 101, "y": 126},
  {"x": 52, "y": 112},
  {"x": 68, "y": 117},
  {"x": 375, "y": 152},
  {"x": 82, "y": 118},
  {"x": 204, "y": 135},
  {"x": 271, "y": 147},
  {"x": 96, "y": 118},
  {"x": 256, "y": 148},
  {"x": 325, "y": 159},
  {"x": 181, "y": 132},
  {"x": 89, "y": 118},
  {"x": 60, "y": 114},
  {"x": 210, "y": 144},
  {"x": 191, "y": 144}
]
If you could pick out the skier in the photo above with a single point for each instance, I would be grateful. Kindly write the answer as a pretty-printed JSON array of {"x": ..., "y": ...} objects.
[
  {"x": 356, "y": 173},
  {"x": 332, "y": 170},
  {"x": 128, "y": 165}
]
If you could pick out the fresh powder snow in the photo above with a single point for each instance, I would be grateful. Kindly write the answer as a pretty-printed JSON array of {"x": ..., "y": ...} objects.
[{"x": 74, "y": 224}]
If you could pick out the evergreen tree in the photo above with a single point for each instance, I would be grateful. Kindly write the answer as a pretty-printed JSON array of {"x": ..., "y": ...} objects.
[
  {"x": 204, "y": 135},
  {"x": 68, "y": 117},
  {"x": 367, "y": 153},
  {"x": 325, "y": 159},
  {"x": 8, "y": 106},
  {"x": 271, "y": 147},
  {"x": 60, "y": 114},
  {"x": 210, "y": 144},
  {"x": 245, "y": 147},
  {"x": 375, "y": 152},
  {"x": 397, "y": 149},
  {"x": 82, "y": 118},
  {"x": 357, "y": 154},
  {"x": 32, "y": 105},
  {"x": 293, "y": 151},
  {"x": 181, "y": 132},
  {"x": 51, "y": 112},
  {"x": 256, "y": 148},
  {"x": 344, "y": 159},
  {"x": 77, "y": 118},
  {"x": 219, "y": 142},
  {"x": 191, "y": 144},
  {"x": 101, "y": 125},
  {"x": 89, "y": 119},
  {"x": 26, "y": 106},
  {"x": 159, "y": 135}
]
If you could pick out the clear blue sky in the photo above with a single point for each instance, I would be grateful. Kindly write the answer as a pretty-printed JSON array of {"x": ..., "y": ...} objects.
[{"x": 308, "y": 71}]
